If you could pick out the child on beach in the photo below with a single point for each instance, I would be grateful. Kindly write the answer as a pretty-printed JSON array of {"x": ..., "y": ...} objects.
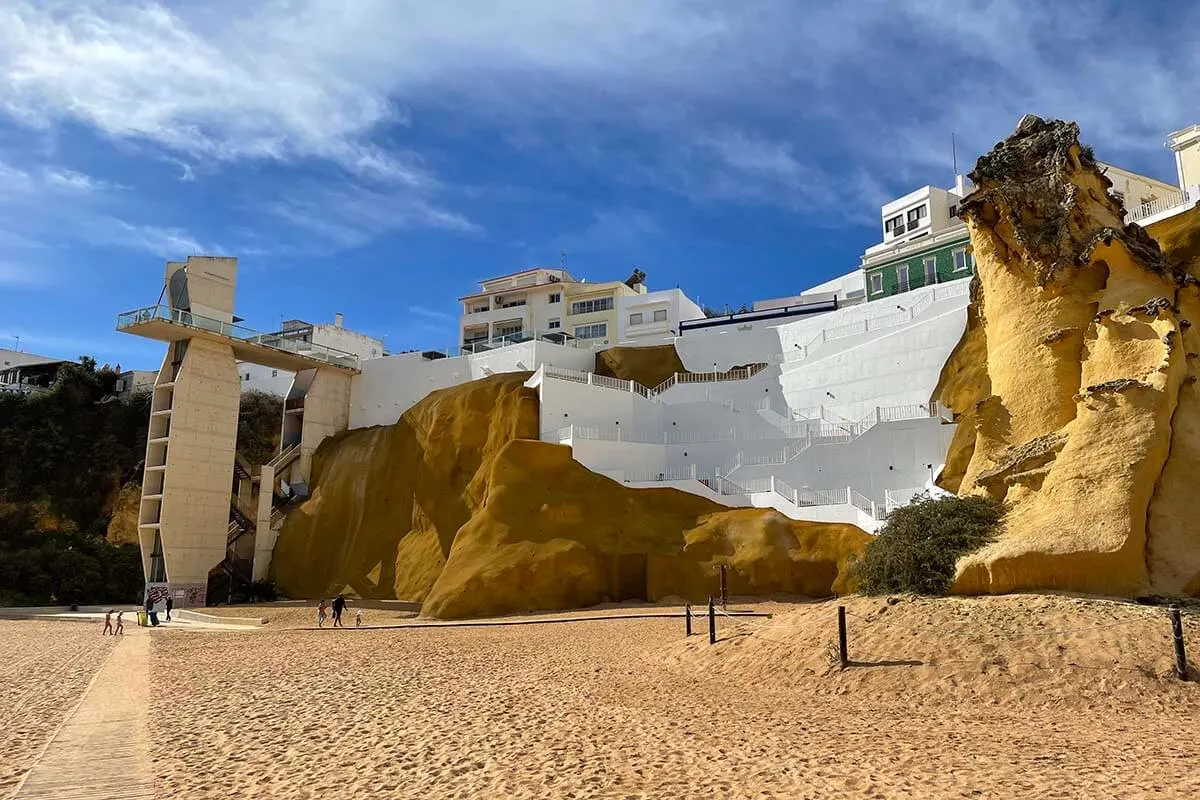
[
  {"x": 358, "y": 618},
  {"x": 108, "y": 628},
  {"x": 321, "y": 614},
  {"x": 120, "y": 625}
]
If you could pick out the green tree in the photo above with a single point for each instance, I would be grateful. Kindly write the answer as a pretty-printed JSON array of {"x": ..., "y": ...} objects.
[{"x": 260, "y": 422}]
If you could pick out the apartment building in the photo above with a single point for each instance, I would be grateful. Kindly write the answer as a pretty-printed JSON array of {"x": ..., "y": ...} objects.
[
  {"x": 335, "y": 336},
  {"x": 514, "y": 306},
  {"x": 924, "y": 241}
]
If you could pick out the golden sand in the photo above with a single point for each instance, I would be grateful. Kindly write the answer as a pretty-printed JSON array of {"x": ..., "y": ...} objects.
[
  {"x": 44, "y": 671},
  {"x": 1004, "y": 697}
]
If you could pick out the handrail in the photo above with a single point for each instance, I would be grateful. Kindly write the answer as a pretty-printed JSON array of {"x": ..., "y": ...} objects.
[
  {"x": 274, "y": 341},
  {"x": 285, "y": 457}
]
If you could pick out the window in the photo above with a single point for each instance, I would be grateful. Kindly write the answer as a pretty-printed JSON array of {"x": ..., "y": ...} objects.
[
  {"x": 480, "y": 309},
  {"x": 588, "y": 306},
  {"x": 508, "y": 329},
  {"x": 635, "y": 319},
  {"x": 876, "y": 283},
  {"x": 962, "y": 259},
  {"x": 902, "y": 274},
  {"x": 247, "y": 377},
  {"x": 274, "y": 373},
  {"x": 554, "y": 323},
  {"x": 915, "y": 215},
  {"x": 930, "y": 264},
  {"x": 1119, "y": 196},
  {"x": 660, "y": 315},
  {"x": 555, "y": 298},
  {"x": 119, "y": 386},
  {"x": 596, "y": 331},
  {"x": 895, "y": 224}
]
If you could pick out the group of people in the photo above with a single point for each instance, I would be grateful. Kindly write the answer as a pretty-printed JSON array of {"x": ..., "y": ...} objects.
[
  {"x": 339, "y": 606},
  {"x": 108, "y": 623},
  {"x": 151, "y": 617}
]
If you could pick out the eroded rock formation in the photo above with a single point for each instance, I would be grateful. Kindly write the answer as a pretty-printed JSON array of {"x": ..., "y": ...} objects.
[
  {"x": 458, "y": 505},
  {"x": 1083, "y": 412}
]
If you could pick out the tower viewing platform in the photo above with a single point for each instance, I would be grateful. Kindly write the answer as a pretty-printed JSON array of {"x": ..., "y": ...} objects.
[{"x": 274, "y": 350}]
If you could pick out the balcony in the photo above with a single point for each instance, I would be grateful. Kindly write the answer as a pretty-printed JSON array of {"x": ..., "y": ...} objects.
[
  {"x": 1175, "y": 200},
  {"x": 269, "y": 349}
]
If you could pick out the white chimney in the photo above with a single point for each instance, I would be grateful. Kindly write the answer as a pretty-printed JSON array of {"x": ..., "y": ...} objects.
[{"x": 338, "y": 319}]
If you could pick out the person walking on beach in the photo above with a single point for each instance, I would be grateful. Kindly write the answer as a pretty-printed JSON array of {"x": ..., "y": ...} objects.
[
  {"x": 170, "y": 605},
  {"x": 358, "y": 618},
  {"x": 120, "y": 625},
  {"x": 339, "y": 605},
  {"x": 108, "y": 628},
  {"x": 321, "y": 614}
]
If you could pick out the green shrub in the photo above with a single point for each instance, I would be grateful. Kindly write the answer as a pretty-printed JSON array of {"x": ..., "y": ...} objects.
[{"x": 916, "y": 550}]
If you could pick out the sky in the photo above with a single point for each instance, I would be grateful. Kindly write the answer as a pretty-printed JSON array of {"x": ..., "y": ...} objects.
[{"x": 380, "y": 157}]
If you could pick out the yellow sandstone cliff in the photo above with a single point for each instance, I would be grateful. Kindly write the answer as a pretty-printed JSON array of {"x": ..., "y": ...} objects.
[
  {"x": 1075, "y": 380},
  {"x": 458, "y": 505}
]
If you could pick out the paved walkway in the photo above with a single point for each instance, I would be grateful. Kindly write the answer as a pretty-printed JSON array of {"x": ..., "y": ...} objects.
[{"x": 102, "y": 751}]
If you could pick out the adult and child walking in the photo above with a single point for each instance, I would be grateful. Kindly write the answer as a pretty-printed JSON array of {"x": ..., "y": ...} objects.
[{"x": 338, "y": 608}]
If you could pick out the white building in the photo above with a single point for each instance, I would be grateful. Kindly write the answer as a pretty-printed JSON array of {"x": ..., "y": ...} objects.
[
  {"x": 256, "y": 377},
  {"x": 653, "y": 317},
  {"x": 135, "y": 380},
  {"x": 525, "y": 303}
]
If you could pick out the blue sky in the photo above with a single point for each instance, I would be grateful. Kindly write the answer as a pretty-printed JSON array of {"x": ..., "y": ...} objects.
[{"x": 379, "y": 157}]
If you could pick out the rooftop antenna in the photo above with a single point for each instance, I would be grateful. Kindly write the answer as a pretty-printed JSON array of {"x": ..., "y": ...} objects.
[
  {"x": 18, "y": 340},
  {"x": 954, "y": 154}
]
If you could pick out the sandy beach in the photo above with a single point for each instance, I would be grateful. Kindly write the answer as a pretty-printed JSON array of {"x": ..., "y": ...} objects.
[
  {"x": 949, "y": 698},
  {"x": 1028, "y": 695},
  {"x": 45, "y": 670}
]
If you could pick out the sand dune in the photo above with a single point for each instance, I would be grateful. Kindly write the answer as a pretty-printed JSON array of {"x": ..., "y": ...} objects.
[{"x": 630, "y": 709}]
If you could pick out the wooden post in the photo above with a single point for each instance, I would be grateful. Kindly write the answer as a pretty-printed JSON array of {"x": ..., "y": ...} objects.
[
  {"x": 712, "y": 622},
  {"x": 842, "y": 654},
  {"x": 1177, "y": 634},
  {"x": 724, "y": 589},
  {"x": 687, "y": 625}
]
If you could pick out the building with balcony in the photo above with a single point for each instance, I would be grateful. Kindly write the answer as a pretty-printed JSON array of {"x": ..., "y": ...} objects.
[
  {"x": 925, "y": 243},
  {"x": 26, "y": 372},
  {"x": 334, "y": 335},
  {"x": 513, "y": 305}
]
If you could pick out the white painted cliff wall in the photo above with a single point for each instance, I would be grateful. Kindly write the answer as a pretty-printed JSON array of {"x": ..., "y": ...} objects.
[{"x": 387, "y": 387}]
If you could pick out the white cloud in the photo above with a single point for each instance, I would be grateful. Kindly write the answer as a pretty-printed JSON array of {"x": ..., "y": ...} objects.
[
  {"x": 351, "y": 216},
  {"x": 717, "y": 94},
  {"x": 431, "y": 313}
]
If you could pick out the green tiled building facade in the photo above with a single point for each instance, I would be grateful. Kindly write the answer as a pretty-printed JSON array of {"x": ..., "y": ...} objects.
[{"x": 941, "y": 262}]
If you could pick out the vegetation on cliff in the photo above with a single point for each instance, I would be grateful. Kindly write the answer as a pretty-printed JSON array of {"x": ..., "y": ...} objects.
[
  {"x": 917, "y": 549},
  {"x": 64, "y": 455}
]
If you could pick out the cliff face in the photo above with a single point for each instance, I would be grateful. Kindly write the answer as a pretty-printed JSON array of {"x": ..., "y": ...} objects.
[
  {"x": 459, "y": 506},
  {"x": 1084, "y": 415},
  {"x": 649, "y": 366}
]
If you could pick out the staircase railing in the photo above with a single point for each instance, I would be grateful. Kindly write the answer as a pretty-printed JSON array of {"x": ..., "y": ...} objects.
[{"x": 285, "y": 457}]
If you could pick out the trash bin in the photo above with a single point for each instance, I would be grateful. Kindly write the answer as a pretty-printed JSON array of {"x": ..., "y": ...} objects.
[{"x": 143, "y": 620}]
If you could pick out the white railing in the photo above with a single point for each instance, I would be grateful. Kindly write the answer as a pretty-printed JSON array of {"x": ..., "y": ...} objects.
[
  {"x": 689, "y": 473},
  {"x": 875, "y": 322},
  {"x": 861, "y": 502},
  {"x": 1154, "y": 207},
  {"x": 896, "y": 498}
]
